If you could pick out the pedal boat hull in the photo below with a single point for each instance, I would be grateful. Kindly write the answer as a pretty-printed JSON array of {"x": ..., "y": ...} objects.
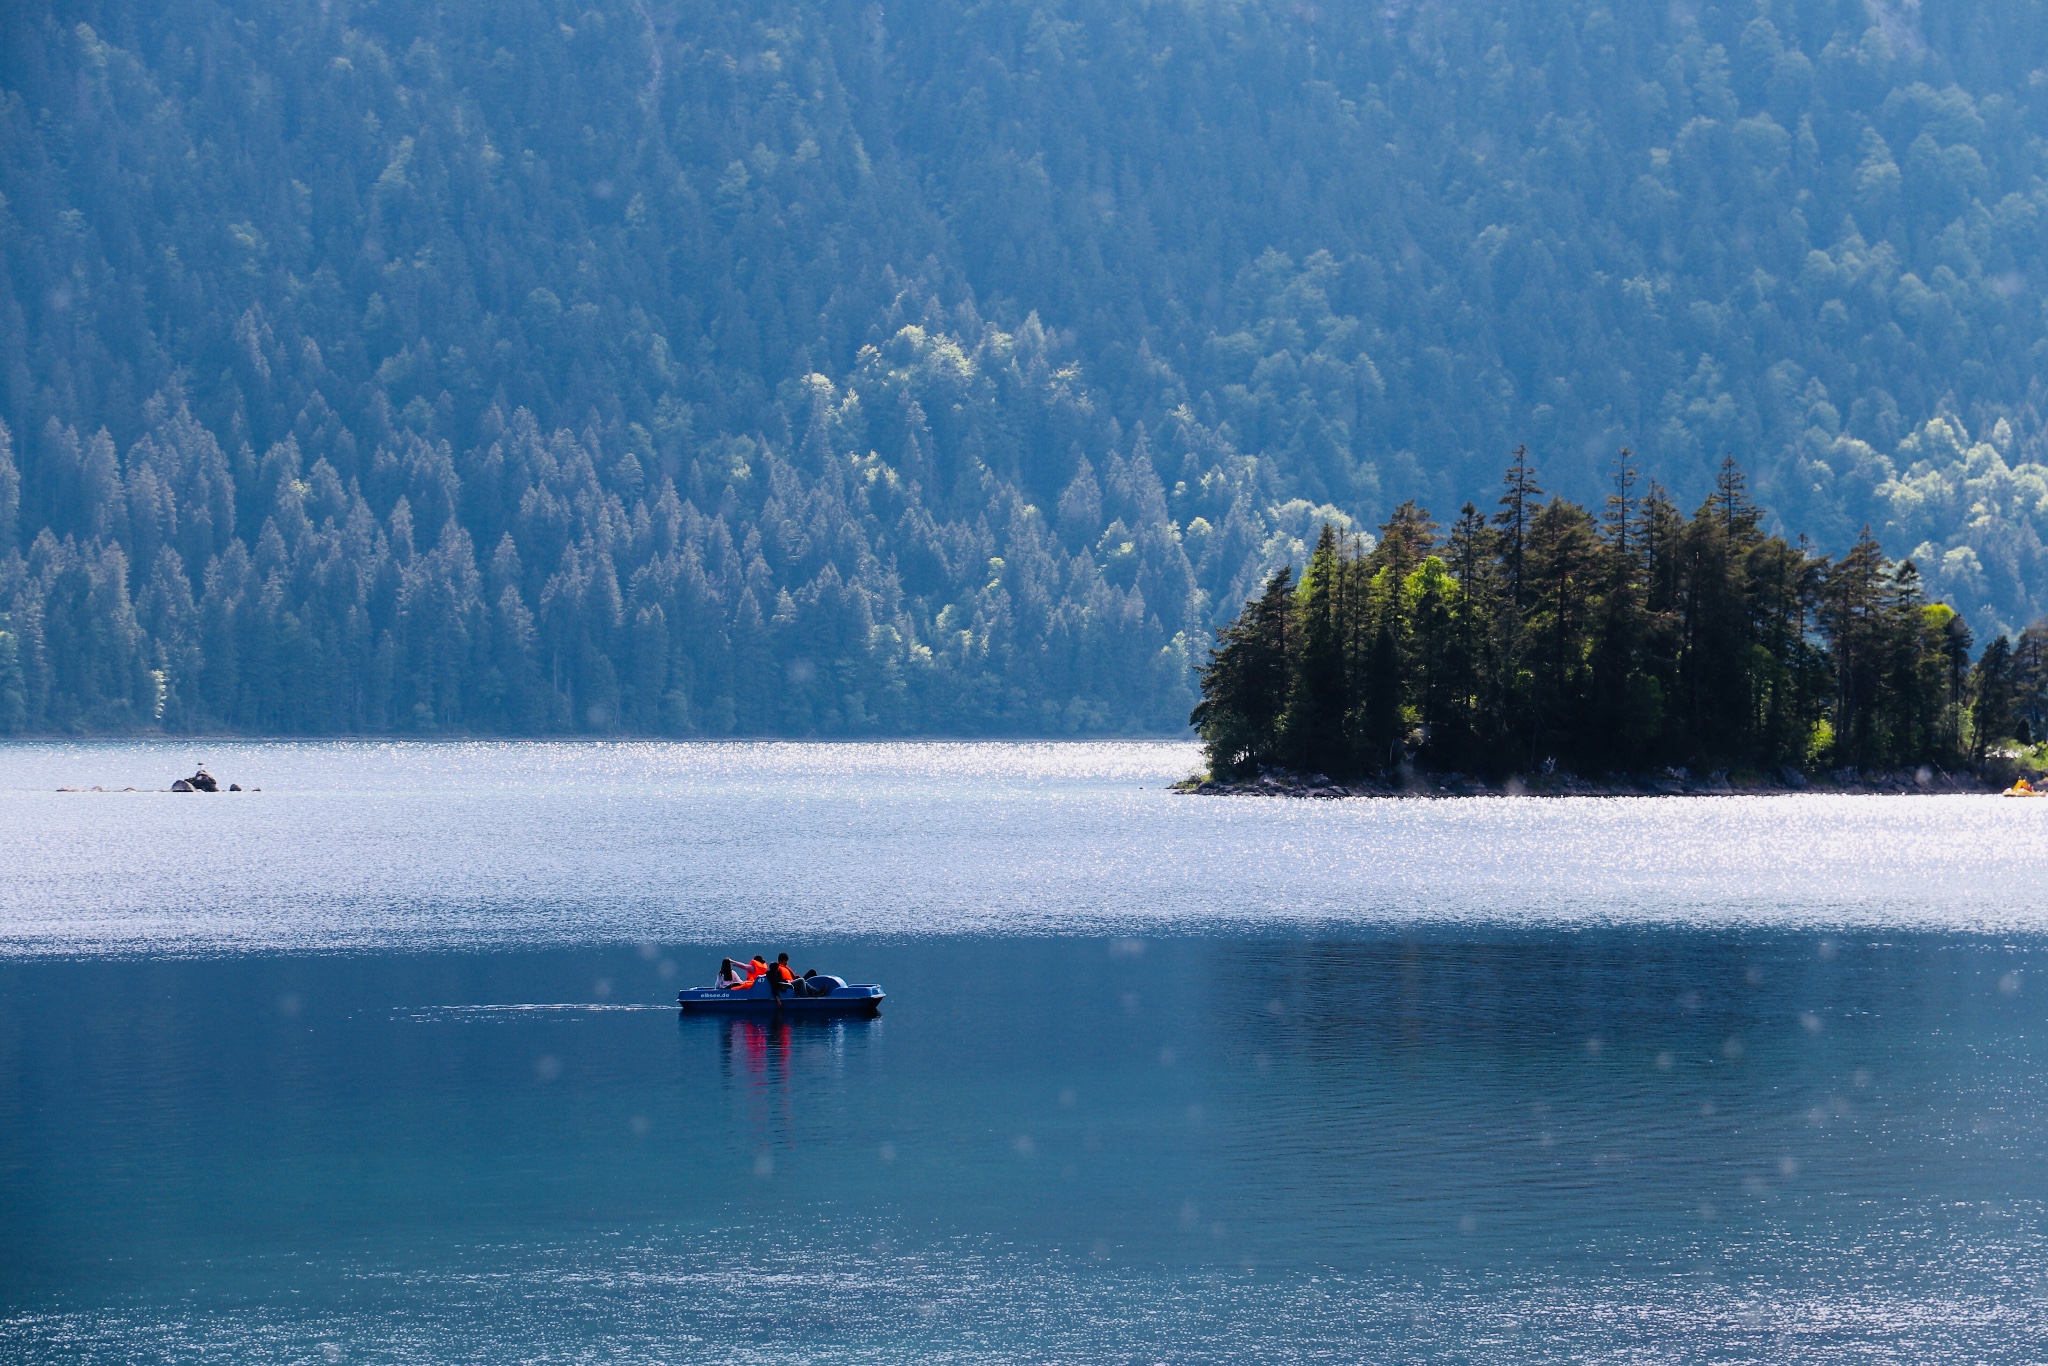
[{"x": 842, "y": 999}]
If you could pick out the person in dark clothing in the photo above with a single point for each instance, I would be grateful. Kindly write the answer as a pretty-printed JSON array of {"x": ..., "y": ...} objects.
[{"x": 781, "y": 977}]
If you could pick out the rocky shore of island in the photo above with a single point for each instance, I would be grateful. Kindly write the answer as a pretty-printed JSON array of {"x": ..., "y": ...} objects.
[{"x": 1667, "y": 782}]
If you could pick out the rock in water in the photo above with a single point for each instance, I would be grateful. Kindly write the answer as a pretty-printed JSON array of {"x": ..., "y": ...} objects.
[{"x": 182, "y": 786}]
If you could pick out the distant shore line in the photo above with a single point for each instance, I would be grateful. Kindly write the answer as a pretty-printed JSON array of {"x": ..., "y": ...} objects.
[{"x": 1671, "y": 782}]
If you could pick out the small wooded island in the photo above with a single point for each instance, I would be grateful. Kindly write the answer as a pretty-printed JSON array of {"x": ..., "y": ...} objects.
[{"x": 1661, "y": 652}]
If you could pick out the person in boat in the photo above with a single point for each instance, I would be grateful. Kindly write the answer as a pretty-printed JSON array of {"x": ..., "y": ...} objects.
[
  {"x": 730, "y": 975},
  {"x": 781, "y": 977},
  {"x": 808, "y": 984}
]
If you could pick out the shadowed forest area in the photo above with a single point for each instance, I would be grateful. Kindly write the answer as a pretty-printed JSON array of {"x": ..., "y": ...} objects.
[
  {"x": 1633, "y": 639},
  {"x": 703, "y": 367}
]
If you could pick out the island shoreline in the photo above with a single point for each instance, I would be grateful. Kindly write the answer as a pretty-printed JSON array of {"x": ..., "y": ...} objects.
[{"x": 1424, "y": 785}]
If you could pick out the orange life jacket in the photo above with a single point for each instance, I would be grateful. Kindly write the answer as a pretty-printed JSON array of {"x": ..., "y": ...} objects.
[{"x": 782, "y": 973}]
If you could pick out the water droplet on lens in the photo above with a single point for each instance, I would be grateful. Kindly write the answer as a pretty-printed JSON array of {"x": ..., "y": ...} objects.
[
  {"x": 2010, "y": 983},
  {"x": 888, "y": 1153},
  {"x": 1732, "y": 1049},
  {"x": 547, "y": 1067},
  {"x": 764, "y": 1164},
  {"x": 1812, "y": 1022},
  {"x": 1167, "y": 1057},
  {"x": 639, "y": 1126},
  {"x": 1024, "y": 1146},
  {"x": 603, "y": 988},
  {"x": 1665, "y": 1062},
  {"x": 1067, "y": 1096}
]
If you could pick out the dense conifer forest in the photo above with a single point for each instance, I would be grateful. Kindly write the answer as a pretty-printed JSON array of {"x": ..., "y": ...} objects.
[
  {"x": 953, "y": 366},
  {"x": 1610, "y": 643}
]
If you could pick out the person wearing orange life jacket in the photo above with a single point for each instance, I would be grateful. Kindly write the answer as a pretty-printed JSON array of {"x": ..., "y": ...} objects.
[
  {"x": 781, "y": 977},
  {"x": 755, "y": 970}
]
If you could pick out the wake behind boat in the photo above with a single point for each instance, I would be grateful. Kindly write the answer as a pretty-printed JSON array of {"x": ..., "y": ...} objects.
[{"x": 817, "y": 995}]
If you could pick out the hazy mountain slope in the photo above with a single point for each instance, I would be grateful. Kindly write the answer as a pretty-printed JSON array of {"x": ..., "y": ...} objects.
[
  {"x": 1792, "y": 232},
  {"x": 944, "y": 366}
]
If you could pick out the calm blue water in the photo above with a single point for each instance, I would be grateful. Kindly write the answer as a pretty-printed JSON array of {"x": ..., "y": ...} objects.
[{"x": 375, "y": 1065}]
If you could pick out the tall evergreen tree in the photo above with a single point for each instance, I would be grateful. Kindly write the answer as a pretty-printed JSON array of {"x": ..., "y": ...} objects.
[
  {"x": 1246, "y": 683},
  {"x": 1518, "y": 508},
  {"x": 1313, "y": 732},
  {"x": 1991, "y": 697}
]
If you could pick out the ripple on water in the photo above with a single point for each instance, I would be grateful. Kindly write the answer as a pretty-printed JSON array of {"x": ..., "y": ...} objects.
[
  {"x": 665, "y": 1301},
  {"x": 382, "y": 845}
]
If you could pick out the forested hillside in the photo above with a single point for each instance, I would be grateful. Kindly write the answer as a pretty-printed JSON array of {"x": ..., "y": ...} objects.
[{"x": 703, "y": 368}]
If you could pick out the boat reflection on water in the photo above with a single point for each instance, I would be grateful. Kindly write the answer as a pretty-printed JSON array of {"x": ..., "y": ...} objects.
[
  {"x": 783, "y": 1075},
  {"x": 775, "y": 1048},
  {"x": 756, "y": 1050}
]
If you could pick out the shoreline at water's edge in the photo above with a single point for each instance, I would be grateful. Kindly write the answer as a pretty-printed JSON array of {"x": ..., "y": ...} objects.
[{"x": 1925, "y": 781}]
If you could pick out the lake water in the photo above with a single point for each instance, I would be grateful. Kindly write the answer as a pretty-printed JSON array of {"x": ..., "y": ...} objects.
[{"x": 381, "y": 1064}]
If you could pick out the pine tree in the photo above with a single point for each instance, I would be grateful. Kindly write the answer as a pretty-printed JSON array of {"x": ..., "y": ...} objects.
[
  {"x": 1312, "y": 728},
  {"x": 1518, "y": 510},
  {"x": 1991, "y": 697},
  {"x": 1563, "y": 581},
  {"x": 1245, "y": 683}
]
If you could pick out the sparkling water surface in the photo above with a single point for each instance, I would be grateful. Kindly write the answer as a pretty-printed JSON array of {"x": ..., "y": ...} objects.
[{"x": 379, "y": 1064}]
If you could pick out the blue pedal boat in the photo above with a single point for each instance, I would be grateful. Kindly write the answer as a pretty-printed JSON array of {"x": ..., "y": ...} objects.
[{"x": 828, "y": 996}]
